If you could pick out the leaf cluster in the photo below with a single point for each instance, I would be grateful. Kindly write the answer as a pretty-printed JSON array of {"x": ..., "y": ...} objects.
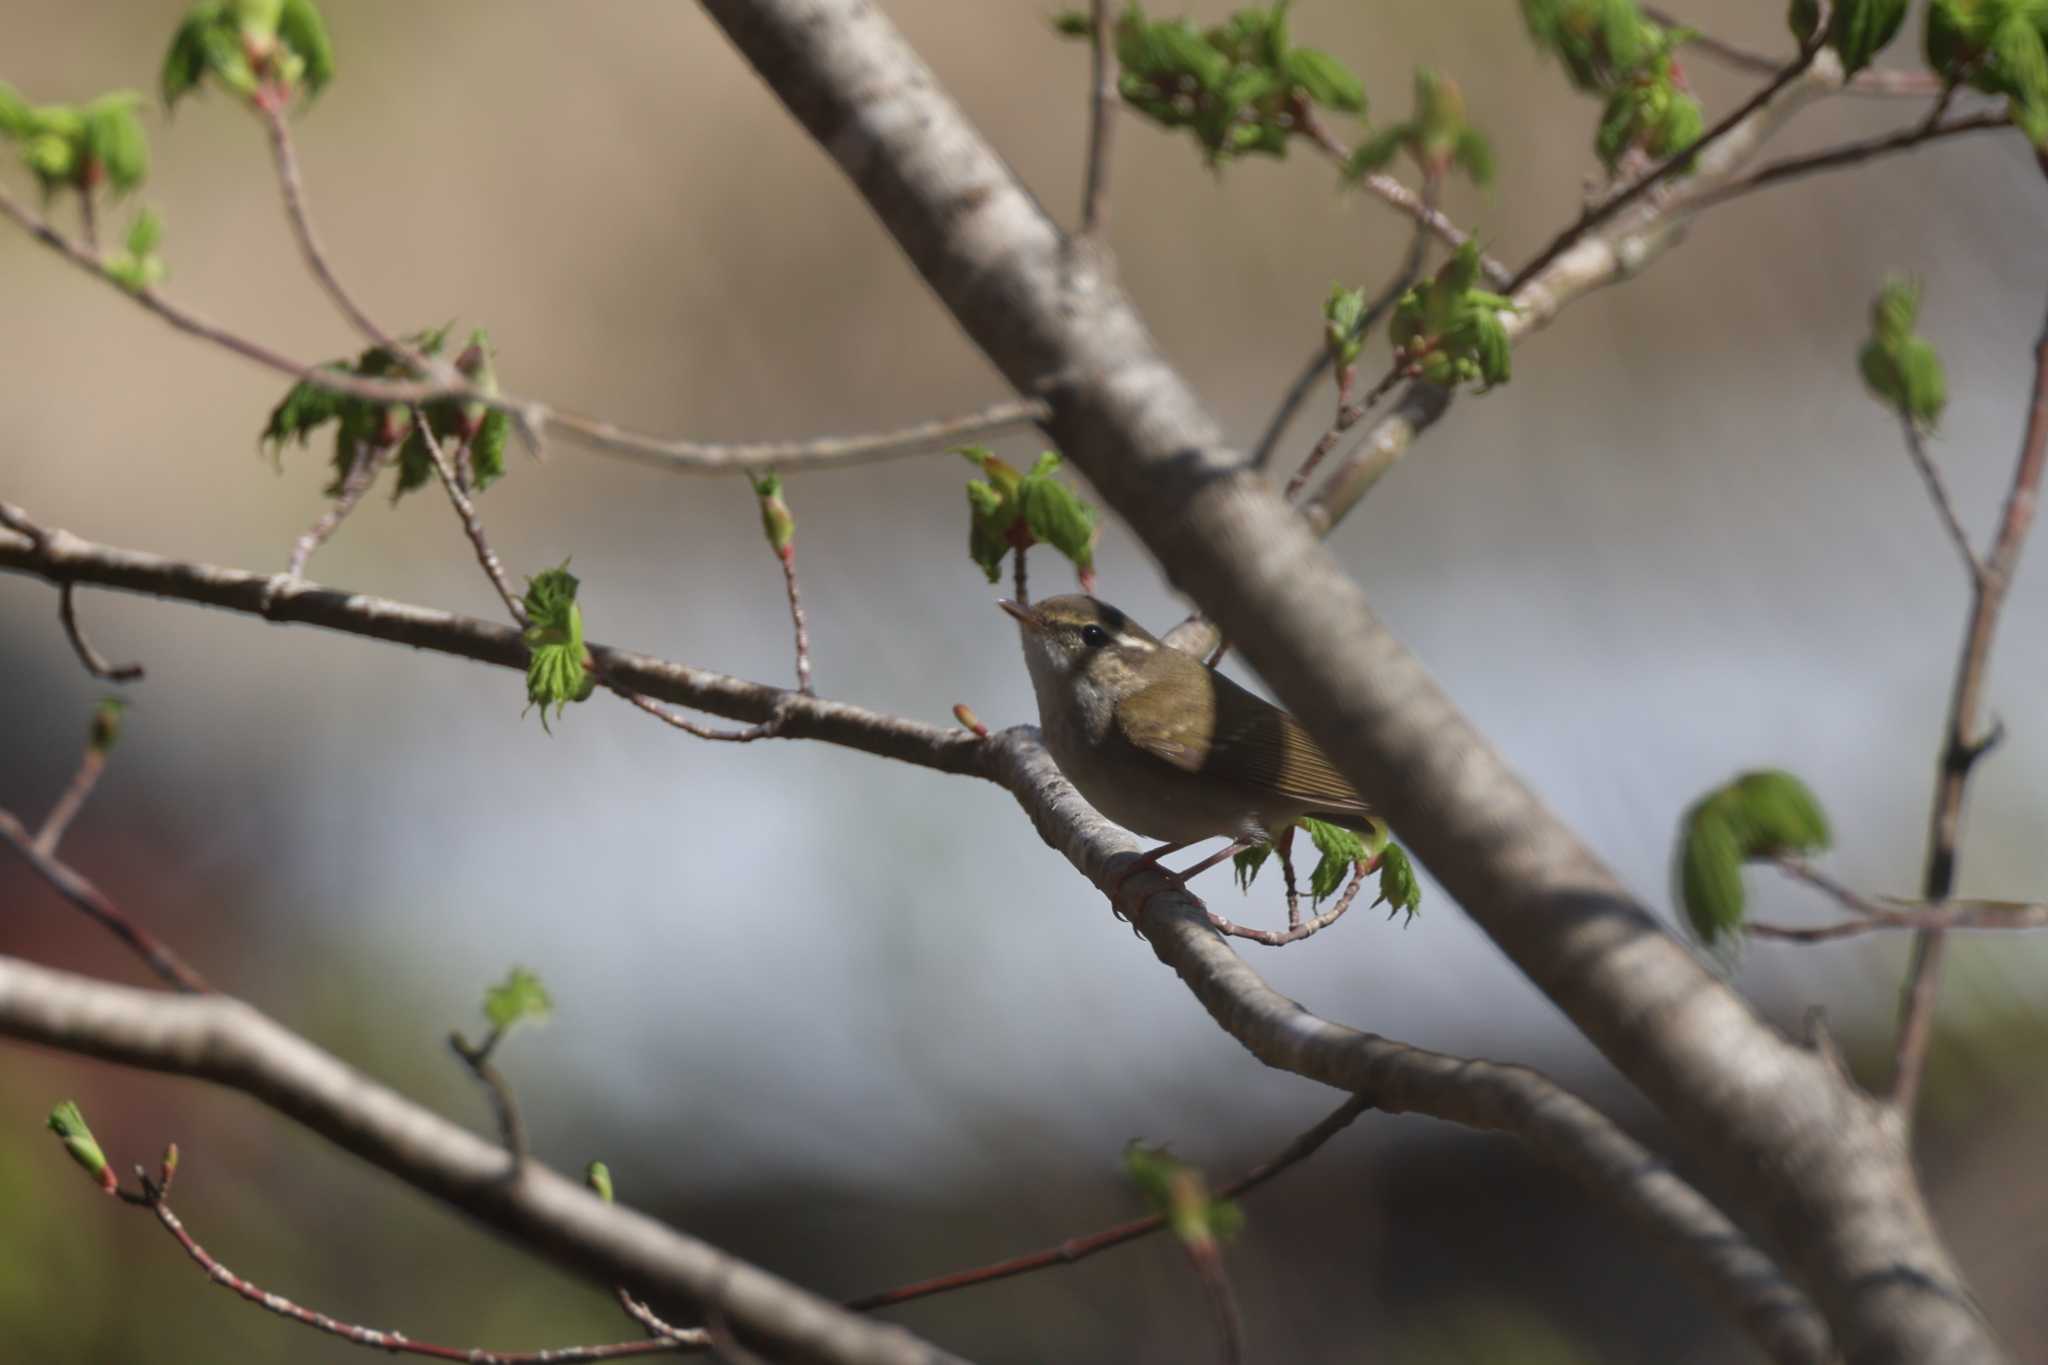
[
  {"x": 558, "y": 665},
  {"x": 1008, "y": 510},
  {"x": 1436, "y": 136},
  {"x": 1237, "y": 87},
  {"x": 249, "y": 47},
  {"x": 1999, "y": 47},
  {"x": 1763, "y": 814},
  {"x": 1857, "y": 29},
  {"x": 80, "y": 147},
  {"x": 364, "y": 424},
  {"x": 1611, "y": 49},
  {"x": 70, "y": 1127},
  {"x": 1901, "y": 368},
  {"x": 1342, "y": 852},
  {"x": 1448, "y": 331}
]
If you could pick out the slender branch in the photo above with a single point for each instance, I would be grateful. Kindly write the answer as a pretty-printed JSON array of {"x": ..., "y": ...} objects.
[
  {"x": 770, "y": 728},
  {"x": 362, "y": 472},
  {"x": 67, "y": 611},
  {"x": 1349, "y": 415},
  {"x": 395, "y": 1343},
  {"x": 1849, "y": 154},
  {"x": 1102, "y": 112},
  {"x": 787, "y": 555},
  {"x": 661, "y": 1328},
  {"x": 1297, "y": 928},
  {"x": 1869, "y": 81},
  {"x": 76, "y": 793},
  {"x": 1929, "y": 918},
  {"x": 695, "y": 457},
  {"x": 457, "y": 485},
  {"x": 85, "y": 896},
  {"x": 95, "y": 662},
  {"x": 1937, "y": 492},
  {"x": 1076, "y": 1249},
  {"x": 1628, "y": 194},
  {"x": 1962, "y": 744},
  {"x": 286, "y": 159},
  {"x": 504, "y": 1105}
]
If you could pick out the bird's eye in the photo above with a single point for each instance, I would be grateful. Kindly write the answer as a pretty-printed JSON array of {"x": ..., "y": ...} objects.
[{"x": 1095, "y": 637}]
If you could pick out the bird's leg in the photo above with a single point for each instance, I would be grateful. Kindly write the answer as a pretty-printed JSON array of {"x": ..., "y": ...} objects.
[
  {"x": 1143, "y": 861},
  {"x": 1177, "y": 881}
]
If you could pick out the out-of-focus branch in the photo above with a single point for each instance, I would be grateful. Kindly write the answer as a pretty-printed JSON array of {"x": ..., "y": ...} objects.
[
  {"x": 14, "y": 519},
  {"x": 85, "y": 896},
  {"x": 1102, "y": 111},
  {"x": 1849, "y": 154},
  {"x": 1809, "y": 1155},
  {"x": 362, "y": 472},
  {"x": 1938, "y": 494},
  {"x": 225, "y": 1041},
  {"x": 1962, "y": 743},
  {"x": 696, "y": 457},
  {"x": 457, "y": 486}
]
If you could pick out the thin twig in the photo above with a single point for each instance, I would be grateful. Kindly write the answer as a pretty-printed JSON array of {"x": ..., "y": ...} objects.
[
  {"x": 511, "y": 1129},
  {"x": 1963, "y": 745},
  {"x": 1926, "y": 918},
  {"x": 1298, "y": 929},
  {"x": 1869, "y": 81},
  {"x": 286, "y": 158},
  {"x": 1283, "y": 847},
  {"x": 72, "y": 801},
  {"x": 767, "y": 729},
  {"x": 681, "y": 455},
  {"x": 397, "y": 1343},
  {"x": 73, "y": 887},
  {"x": 95, "y": 662},
  {"x": 1848, "y": 154},
  {"x": 658, "y": 1326},
  {"x": 362, "y": 472},
  {"x": 1081, "y": 1248},
  {"x": 472, "y": 525},
  {"x": 1937, "y": 492},
  {"x": 1348, "y": 416},
  {"x": 787, "y": 554},
  {"x": 1671, "y": 165},
  {"x": 1206, "y": 1256},
  {"x": 1102, "y": 111}
]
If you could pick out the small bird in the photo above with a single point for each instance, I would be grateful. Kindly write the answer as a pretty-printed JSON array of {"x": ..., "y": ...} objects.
[{"x": 1165, "y": 745}]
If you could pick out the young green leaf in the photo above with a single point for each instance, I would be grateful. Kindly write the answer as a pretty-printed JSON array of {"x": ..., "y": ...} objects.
[
  {"x": 516, "y": 999},
  {"x": 598, "y": 1176},
  {"x": 1399, "y": 888},
  {"x": 1342, "y": 313},
  {"x": 1901, "y": 368},
  {"x": 69, "y": 1126},
  {"x": 255, "y": 49},
  {"x": 558, "y": 666},
  {"x": 105, "y": 731},
  {"x": 1764, "y": 814},
  {"x": 778, "y": 523},
  {"x": 1857, "y": 29},
  {"x": 1247, "y": 864},
  {"x": 1342, "y": 851},
  {"x": 1449, "y": 332},
  {"x": 1177, "y": 1190}
]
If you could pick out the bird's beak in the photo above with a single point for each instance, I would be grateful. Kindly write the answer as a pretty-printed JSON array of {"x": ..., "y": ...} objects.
[{"x": 1026, "y": 617}]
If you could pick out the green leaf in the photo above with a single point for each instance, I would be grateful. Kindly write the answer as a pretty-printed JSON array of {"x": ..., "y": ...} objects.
[
  {"x": 70, "y": 1127},
  {"x": 1399, "y": 887},
  {"x": 145, "y": 233},
  {"x": 1058, "y": 517},
  {"x": 1073, "y": 23},
  {"x": 1857, "y": 29},
  {"x": 1325, "y": 80},
  {"x": 1247, "y": 864},
  {"x": 114, "y": 141},
  {"x": 1177, "y": 1190},
  {"x": 1342, "y": 851},
  {"x": 305, "y": 407},
  {"x": 1376, "y": 151},
  {"x": 303, "y": 32},
  {"x": 15, "y": 119},
  {"x": 557, "y": 670},
  {"x": 487, "y": 450},
  {"x": 778, "y": 523},
  {"x": 516, "y": 999},
  {"x": 1343, "y": 311},
  {"x": 1473, "y": 155},
  {"x": 1901, "y": 369},
  {"x": 105, "y": 730},
  {"x": 598, "y": 1176},
  {"x": 1763, "y": 814},
  {"x": 1600, "y": 42}
]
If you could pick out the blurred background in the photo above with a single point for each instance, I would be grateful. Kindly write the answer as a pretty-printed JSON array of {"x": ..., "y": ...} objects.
[{"x": 852, "y": 1020}]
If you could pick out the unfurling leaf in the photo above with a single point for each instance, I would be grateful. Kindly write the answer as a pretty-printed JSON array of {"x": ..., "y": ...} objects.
[
  {"x": 1342, "y": 314},
  {"x": 1177, "y": 1190},
  {"x": 598, "y": 1176},
  {"x": 98, "y": 145},
  {"x": 778, "y": 523},
  {"x": 1764, "y": 814},
  {"x": 69, "y": 1126},
  {"x": 1342, "y": 851},
  {"x": 249, "y": 47},
  {"x": 1011, "y": 511},
  {"x": 1449, "y": 332},
  {"x": 105, "y": 731},
  {"x": 1399, "y": 889},
  {"x": 1857, "y": 29},
  {"x": 516, "y": 999},
  {"x": 1247, "y": 864},
  {"x": 1901, "y": 368},
  {"x": 558, "y": 665}
]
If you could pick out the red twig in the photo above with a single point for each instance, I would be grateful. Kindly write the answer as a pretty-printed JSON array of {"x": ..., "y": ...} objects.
[
  {"x": 1963, "y": 744},
  {"x": 1848, "y": 154},
  {"x": 89, "y": 898},
  {"x": 767, "y": 729},
  {"x": 76, "y": 793},
  {"x": 1348, "y": 416},
  {"x": 787, "y": 554},
  {"x": 1080, "y": 1248}
]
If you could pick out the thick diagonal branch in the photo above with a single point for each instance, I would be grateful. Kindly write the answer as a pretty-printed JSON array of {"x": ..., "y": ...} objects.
[{"x": 1808, "y": 1154}]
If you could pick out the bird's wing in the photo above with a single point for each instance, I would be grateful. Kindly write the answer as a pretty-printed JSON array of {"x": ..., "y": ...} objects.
[{"x": 1251, "y": 742}]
